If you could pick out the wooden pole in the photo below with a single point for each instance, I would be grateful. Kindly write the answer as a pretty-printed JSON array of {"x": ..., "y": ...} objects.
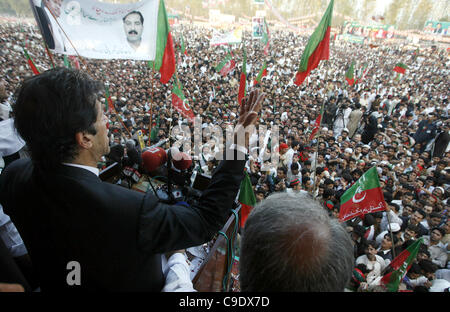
[
  {"x": 73, "y": 46},
  {"x": 315, "y": 186},
  {"x": 151, "y": 105},
  {"x": 390, "y": 231}
]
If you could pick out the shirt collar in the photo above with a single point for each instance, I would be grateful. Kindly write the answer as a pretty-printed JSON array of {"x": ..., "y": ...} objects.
[{"x": 89, "y": 168}]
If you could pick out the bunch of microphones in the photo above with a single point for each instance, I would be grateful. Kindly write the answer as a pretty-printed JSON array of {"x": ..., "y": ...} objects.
[{"x": 172, "y": 167}]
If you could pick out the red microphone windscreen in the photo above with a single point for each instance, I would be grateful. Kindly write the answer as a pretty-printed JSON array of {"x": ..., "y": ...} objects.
[
  {"x": 154, "y": 158},
  {"x": 182, "y": 161}
]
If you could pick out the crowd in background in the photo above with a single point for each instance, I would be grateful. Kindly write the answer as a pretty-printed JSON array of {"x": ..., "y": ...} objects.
[{"x": 398, "y": 123}]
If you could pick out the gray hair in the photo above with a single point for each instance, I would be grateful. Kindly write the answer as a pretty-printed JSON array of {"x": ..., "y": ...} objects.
[{"x": 290, "y": 243}]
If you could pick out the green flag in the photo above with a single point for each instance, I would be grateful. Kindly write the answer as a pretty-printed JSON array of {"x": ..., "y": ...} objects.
[
  {"x": 350, "y": 74},
  {"x": 183, "y": 47},
  {"x": 67, "y": 62},
  {"x": 266, "y": 38},
  {"x": 226, "y": 65},
  {"x": 262, "y": 73},
  {"x": 243, "y": 80},
  {"x": 400, "y": 68},
  {"x": 318, "y": 47},
  {"x": 247, "y": 198},
  {"x": 401, "y": 265}
]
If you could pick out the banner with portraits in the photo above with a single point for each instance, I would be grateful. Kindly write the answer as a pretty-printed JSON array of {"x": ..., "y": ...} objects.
[
  {"x": 99, "y": 30},
  {"x": 257, "y": 27},
  {"x": 437, "y": 28},
  {"x": 229, "y": 38},
  {"x": 369, "y": 31}
]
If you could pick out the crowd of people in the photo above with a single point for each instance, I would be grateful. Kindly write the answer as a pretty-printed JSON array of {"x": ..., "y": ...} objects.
[{"x": 398, "y": 123}]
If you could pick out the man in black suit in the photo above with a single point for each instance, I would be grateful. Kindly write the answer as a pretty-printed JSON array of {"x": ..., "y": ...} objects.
[{"x": 67, "y": 216}]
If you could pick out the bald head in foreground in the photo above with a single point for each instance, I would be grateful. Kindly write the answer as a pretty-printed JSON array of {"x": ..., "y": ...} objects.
[{"x": 290, "y": 244}]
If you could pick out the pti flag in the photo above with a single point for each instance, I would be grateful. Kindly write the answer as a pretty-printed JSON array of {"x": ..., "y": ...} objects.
[
  {"x": 363, "y": 197},
  {"x": 350, "y": 74},
  {"x": 400, "y": 68},
  {"x": 108, "y": 102},
  {"x": 246, "y": 198},
  {"x": 266, "y": 38},
  {"x": 262, "y": 73},
  {"x": 316, "y": 125},
  {"x": 400, "y": 266},
  {"x": 318, "y": 47},
  {"x": 180, "y": 103},
  {"x": 226, "y": 66},
  {"x": 31, "y": 63},
  {"x": 243, "y": 81}
]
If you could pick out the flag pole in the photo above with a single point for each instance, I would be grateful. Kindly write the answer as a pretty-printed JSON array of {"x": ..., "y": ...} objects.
[
  {"x": 151, "y": 106},
  {"x": 317, "y": 151},
  {"x": 390, "y": 231},
  {"x": 315, "y": 187},
  {"x": 70, "y": 41}
]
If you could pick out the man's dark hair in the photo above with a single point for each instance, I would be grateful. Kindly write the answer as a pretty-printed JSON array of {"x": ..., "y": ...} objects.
[
  {"x": 422, "y": 212},
  {"x": 428, "y": 266},
  {"x": 290, "y": 243},
  {"x": 134, "y": 12},
  {"x": 50, "y": 108}
]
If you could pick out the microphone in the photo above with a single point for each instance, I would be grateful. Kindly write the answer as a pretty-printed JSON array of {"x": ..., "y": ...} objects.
[
  {"x": 182, "y": 161},
  {"x": 153, "y": 158}
]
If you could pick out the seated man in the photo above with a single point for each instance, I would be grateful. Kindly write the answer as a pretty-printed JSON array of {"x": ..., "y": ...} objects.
[{"x": 290, "y": 243}]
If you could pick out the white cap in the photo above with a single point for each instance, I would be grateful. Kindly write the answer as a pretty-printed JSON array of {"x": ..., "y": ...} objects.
[{"x": 395, "y": 227}]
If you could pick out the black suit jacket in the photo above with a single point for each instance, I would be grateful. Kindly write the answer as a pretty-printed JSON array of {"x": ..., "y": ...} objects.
[{"x": 116, "y": 234}]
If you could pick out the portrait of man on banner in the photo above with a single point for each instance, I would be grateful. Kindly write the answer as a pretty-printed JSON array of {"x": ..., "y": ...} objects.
[{"x": 133, "y": 25}]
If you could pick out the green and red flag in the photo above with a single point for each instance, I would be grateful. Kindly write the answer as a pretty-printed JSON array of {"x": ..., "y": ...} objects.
[
  {"x": 243, "y": 80},
  {"x": 183, "y": 47},
  {"x": 350, "y": 74},
  {"x": 31, "y": 63},
  {"x": 316, "y": 124},
  {"x": 165, "y": 54},
  {"x": 262, "y": 73},
  {"x": 400, "y": 68},
  {"x": 154, "y": 131},
  {"x": 363, "y": 73},
  {"x": 266, "y": 38},
  {"x": 226, "y": 66},
  {"x": 318, "y": 47},
  {"x": 75, "y": 61},
  {"x": 180, "y": 103},
  {"x": 67, "y": 62},
  {"x": 246, "y": 198},
  {"x": 363, "y": 197},
  {"x": 108, "y": 101},
  {"x": 400, "y": 266}
]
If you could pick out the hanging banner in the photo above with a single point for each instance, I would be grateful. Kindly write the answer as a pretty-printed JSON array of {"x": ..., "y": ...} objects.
[
  {"x": 257, "y": 27},
  {"x": 97, "y": 29},
  {"x": 437, "y": 28},
  {"x": 232, "y": 37}
]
